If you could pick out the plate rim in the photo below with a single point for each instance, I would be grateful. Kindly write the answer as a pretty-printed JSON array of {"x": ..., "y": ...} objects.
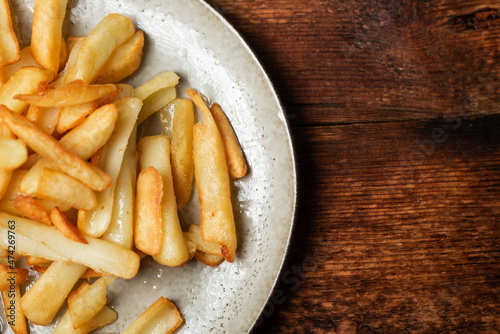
[{"x": 293, "y": 152}]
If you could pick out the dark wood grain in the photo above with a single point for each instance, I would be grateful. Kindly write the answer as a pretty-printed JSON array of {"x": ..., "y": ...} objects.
[{"x": 394, "y": 111}]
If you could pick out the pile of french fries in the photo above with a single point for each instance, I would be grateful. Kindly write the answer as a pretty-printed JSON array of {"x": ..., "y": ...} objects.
[{"x": 80, "y": 195}]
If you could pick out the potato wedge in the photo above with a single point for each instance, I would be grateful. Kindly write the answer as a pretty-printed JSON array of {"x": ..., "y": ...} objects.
[
  {"x": 12, "y": 277},
  {"x": 237, "y": 166},
  {"x": 47, "y": 33},
  {"x": 161, "y": 317},
  {"x": 85, "y": 302},
  {"x": 50, "y": 148},
  {"x": 147, "y": 226},
  {"x": 182, "y": 146},
  {"x": 61, "y": 188},
  {"x": 70, "y": 94},
  {"x": 9, "y": 46},
  {"x": 42, "y": 301},
  {"x": 101, "y": 319},
  {"x": 13, "y": 153},
  {"x": 209, "y": 259},
  {"x": 123, "y": 62},
  {"x": 43, "y": 241},
  {"x": 154, "y": 151},
  {"x": 24, "y": 81},
  {"x": 13, "y": 311},
  {"x": 212, "y": 180},
  {"x": 63, "y": 224},
  {"x": 99, "y": 45},
  {"x": 32, "y": 209},
  {"x": 96, "y": 222}
]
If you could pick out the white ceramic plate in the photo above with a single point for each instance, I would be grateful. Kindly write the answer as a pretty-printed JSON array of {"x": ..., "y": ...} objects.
[{"x": 197, "y": 43}]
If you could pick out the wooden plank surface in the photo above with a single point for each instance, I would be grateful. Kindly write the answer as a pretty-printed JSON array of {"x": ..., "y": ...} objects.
[{"x": 394, "y": 111}]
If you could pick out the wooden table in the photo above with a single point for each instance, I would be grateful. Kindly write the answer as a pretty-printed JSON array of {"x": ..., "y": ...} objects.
[{"x": 393, "y": 106}]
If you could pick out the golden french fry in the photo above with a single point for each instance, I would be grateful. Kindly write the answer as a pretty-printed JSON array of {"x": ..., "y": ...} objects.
[
  {"x": 209, "y": 259},
  {"x": 155, "y": 102},
  {"x": 212, "y": 180},
  {"x": 50, "y": 148},
  {"x": 63, "y": 55},
  {"x": 121, "y": 227},
  {"x": 191, "y": 248},
  {"x": 71, "y": 116},
  {"x": 11, "y": 277},
  {"x": 47, "y": 119},
  {"x": 36, "y": 261},
  {"x": 13, "y": 312},
  {"x": 47, "y": 33},
  {"x": 96, "y": 222},
  {"x": 194, "y": 235},
  {"x": 32, "y": 209},
  {"x": 101, "y": 319},
  {"x": 9, "y": 46},
  {"x": 63, "y": 224},
  {"x": 155, "y": 151},
  {"x": 237, "y": 166},
  {"x": 161, "y": 314},
  {"x": 85, "y": 302},
  {"x": 160, "y": 81},
  {"x": 124, "y": 61},
  {"x": 73, "y": 45},
  {"x": 13, "y": 153},
  {"x": 147, "y": 226},
  {"x": 60, "y": 188},
  {"x": 182, "y": 146},
  {"x": 70, "y": 94},
  {"x": 26, "y": 60},
  {"x": 42, "y": 301},
  {"x": 43, "y": 241},
  {"x": 89, "y": 273},
  {"x": 5, "y": 176},
  {"x": 99, "y": 45},
  {"x": 24, "y": 81}
]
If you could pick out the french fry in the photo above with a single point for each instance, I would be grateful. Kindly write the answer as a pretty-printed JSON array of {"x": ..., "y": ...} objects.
[
  {"x": 209, "y": 259},
  {"x": 101, "y": 319},
  {"x": 13, "y": 153},
  {"x": 212, "y": 180},
  {"x": 160, "y": 81},
  {"x": 155, "y": 102},
  {"x": 24, "y": 81},
  {"x": 9, "y": 46},
  {"x": 96, "y": 222},
  {"x": 63, "y": 224},
  {"x": 32, "y": 209},
  {"x": 50, "y": 148},
  {"x": 63, "y": 55},
  {"x": 182, "y": 147},
  {"x": 70, "y": 94},
  {"x": 121, "y": 227},
  {"x": 154, "y": 151},
  {"x": 43, "y": 241},
  {"x": 13, "y": 312},
  {"x": 161, "y": 317},
  {"x": 191, "y": 248},
  {"x": 124, "y": 61},
  {"x": 89, "y": 273},
  {"x": 61, "y": 188},
  {"x": 85, "y": 302},
  {"x": 47, "y": 118},
  {"x": 147, "y": 227},
  {"x": 73, "y": 45},
  {"x": 11, "y": 277},
  {"x": 99, "y": 45},
  {"x": 5, "y": 176},
  {"x": 127, "y": 90},
  {"x": 47, "y": 33},
  {"x": 237, "y": 166},
  {"x": 36, "y": 261},
  {"x": 26, "y": 60},
  {"x": 194, "y": 235},
  {"x": 71, "y": 116},
  {"x": 42, "y": 301}
]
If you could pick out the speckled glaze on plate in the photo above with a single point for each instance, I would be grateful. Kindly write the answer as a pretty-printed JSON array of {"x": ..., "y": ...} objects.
[{"x": 192, "y": 39}]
